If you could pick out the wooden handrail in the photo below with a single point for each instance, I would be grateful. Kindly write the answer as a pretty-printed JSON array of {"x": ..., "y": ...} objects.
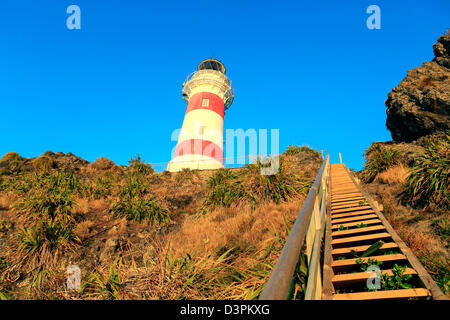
[{"x": 280, "y": 280}]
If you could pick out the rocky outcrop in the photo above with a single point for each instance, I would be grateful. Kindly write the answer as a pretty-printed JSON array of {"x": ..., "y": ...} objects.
[
  {"x": 420, "y": 105},
  {"x": 13, "y": 163}
]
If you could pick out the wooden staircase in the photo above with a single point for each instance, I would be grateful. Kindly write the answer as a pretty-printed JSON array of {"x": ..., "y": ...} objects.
[{"x": 355, "y": 224}]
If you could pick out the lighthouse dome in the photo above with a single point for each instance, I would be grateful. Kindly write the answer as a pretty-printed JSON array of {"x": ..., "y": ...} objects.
[{"x": 212, "y": 64}]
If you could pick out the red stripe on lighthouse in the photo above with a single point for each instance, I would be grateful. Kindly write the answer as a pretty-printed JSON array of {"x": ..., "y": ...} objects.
[
  {"x": 215, "y": 103},
  {"x": 198, "y": 146}
]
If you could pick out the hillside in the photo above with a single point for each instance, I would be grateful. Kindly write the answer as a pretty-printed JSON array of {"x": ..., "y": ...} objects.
[
  {"x": 138, "y": 234},
  {"x": 410, "y": 175}
]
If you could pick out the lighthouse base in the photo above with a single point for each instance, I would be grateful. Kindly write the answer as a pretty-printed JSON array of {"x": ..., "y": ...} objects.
[{"x": 193, "y": 162}]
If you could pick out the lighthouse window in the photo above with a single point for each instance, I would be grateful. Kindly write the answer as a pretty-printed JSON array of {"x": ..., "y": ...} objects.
[{"x": 205, "y": 103}]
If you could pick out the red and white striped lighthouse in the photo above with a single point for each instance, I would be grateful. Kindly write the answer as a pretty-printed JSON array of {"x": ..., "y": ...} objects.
[{"x": 208, "y": 93}]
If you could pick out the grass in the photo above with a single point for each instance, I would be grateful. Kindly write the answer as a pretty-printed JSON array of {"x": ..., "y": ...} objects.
[
  {"x": 230, "y": 253},
  {"x": 429, "y": 179},
  {"x": 438, "y": 268},
  {"x": 138, "y": 166},
  {"x": 43, "y": 163},
  {"x": 441, "y": 226},
  {"x": 227, "y": 189},
  {"x": 291, "y": 150},
  {"x": 135, "y": 201},
  {"x": 46, "y": 236},
  {"x": 102, "y": 163},
  {"x": 105, "y": 285},
  {"x": 10, "y": 163},
  {"x": 378, "y": 159}
]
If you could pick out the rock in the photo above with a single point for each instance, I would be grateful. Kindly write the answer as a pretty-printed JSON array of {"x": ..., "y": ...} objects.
[
  {"x": 112, "y": 246},
  {"x": 420, "y": 104},
  {"x": 179, "y": 201}
]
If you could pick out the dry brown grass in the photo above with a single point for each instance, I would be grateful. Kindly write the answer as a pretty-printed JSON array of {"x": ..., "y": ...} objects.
[
  {"x": 85, "y": 206},
  {"x": 234, "y": 227},
  {"x": 393, "y": 175},
  {"x": 414, "y": 239},
  {"x": 83, "y": 229},
  {"x": 6, "y": 200},
  {"x": 102, "y": 163}
]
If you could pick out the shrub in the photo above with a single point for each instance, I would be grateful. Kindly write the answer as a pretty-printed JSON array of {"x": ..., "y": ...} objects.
[
  {"x": 225, "y": 189},
  {"x": 10, "y": 162},
  {"x": 378, "y": 159},
  {"x": 47, "y": 235},
  {"x": 51, "y": 197},
  {"x": 138, "y": 209},
  {"x": 252, "y": 187},
  {"x": 428, "y": 180},
  {"x": 11, "y": 156},
  {"x": 291, "y": 150},
  {"x": 277, "y": 187},
  {"x": 43, "y": 162},
  {"x": 138, "y": 166},
  {"x": 102, "y": 163},
  {"x": 135, "y": 203}
]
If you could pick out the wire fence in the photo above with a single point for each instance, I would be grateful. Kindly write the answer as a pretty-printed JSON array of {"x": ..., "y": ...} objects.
[{"x": 228, "y": 162}]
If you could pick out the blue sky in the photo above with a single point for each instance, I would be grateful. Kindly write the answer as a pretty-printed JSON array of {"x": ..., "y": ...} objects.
[{"x": 311, "y": 69}]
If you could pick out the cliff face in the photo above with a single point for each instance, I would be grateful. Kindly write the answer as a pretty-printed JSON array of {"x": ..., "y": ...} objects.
[{"x": 420, "y": 104}]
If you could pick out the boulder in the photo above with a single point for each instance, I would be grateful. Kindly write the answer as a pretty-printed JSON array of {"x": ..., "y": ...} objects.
[{"x": 420, "y": 105}]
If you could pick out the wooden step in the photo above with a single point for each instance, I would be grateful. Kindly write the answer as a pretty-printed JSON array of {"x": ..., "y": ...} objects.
[
  {"x": 352, "y": 214},
  {"x": 357, "y": 230},
  {"x": 354, "y": 224},
  {"x": 385, "y": 294},
  {"x": 350, "y": 204},
  {"x": 344, "y": 190},
  {"x": 347, "y": 199},
  {"x": 383, "y": 258},
  {"x": 342, "y": 251},
  {"x": 375, "y": 236},
  {"x": 349, "y": 209},
  {"x": 357, "y": 218},
  {"x": 346, "y": 195},
  {"x": 351, "y": 278}
]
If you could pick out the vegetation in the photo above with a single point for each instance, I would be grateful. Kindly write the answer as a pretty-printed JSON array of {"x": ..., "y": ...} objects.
[
  {"x": 291, "y": 150},
  {"x": 43, "y": 163},
  {"x": 438, "y": 268},
  {"x": 113, "y": 222},
  {"x": 399, "y": 280},
  {"x": 135, "y": 201},
  {"x": 102, "y": 163},
  {"x": 251, "y": 187},
  {"x": 429, "y": 179},
  {"x": 378, "y": 159}
]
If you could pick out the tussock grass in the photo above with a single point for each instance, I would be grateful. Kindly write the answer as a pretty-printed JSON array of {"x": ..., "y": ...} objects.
[
  {"x": 43, "y": 162},
  {"x": 378, "y": 159},
  {"x": 393, "y": 175},
  {"x": 429, "y": 179},
  {"x": 291, "y": 150},
  {"x": 138, "y": 166},
  {"x": 136, "y": 202},
  {"x": 250, "y": 187},
  {"x": 102, "y": 163}
]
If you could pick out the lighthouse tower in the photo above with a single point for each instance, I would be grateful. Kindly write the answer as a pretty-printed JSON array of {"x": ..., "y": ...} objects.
[{"x": 208, "y": 93}]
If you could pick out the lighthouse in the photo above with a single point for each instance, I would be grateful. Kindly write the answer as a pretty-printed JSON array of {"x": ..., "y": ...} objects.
[{"x": 208, "y": 93}]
